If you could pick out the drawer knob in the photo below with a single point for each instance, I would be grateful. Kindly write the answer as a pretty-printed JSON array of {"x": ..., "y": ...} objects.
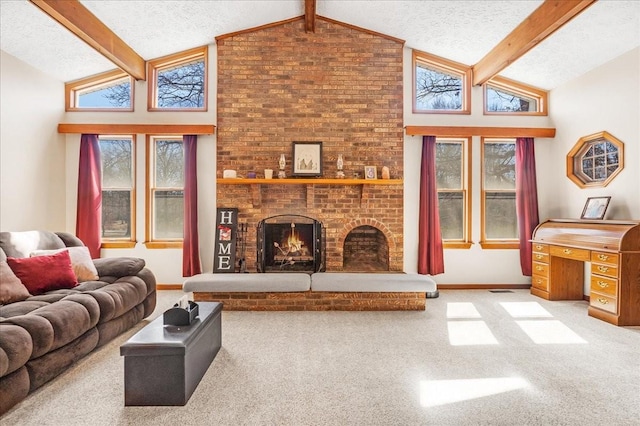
[
  {"x": 603, "y": 284},
  {"x": 603, "y": 301},
  {"x": 603, "y": 257},
  {"x": 538, "y": 247},
  {"x": 538, "y": 256},
  {"x": 567, "y": 251},
  {"x": 603, "y": 268},
  {"x": 539, "y": 268}
]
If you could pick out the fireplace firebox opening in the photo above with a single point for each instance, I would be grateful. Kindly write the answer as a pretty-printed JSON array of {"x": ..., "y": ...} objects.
[{"x": 290, "y": 243}]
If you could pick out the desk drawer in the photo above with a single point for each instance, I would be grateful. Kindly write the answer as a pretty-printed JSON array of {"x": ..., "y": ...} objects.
[
  {"x": 540, "y": 269},
  {"x": 605, "y": 286},
  {"x": 606, "y": 303},
  {"x": 606, "y": 258},
  {"x": 540, "y": 257},
  {"x": 540, "y": 282},
  {"x": 570, "y": 253},
  {"x": 607, "y": 270},
  {"x": 540, "y": 248}
]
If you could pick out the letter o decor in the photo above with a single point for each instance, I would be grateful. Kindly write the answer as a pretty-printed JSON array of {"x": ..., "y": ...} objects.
[{"x": 595, "y": 160}]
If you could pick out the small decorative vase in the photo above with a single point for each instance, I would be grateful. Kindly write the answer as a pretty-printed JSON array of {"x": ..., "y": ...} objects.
[
  {"x": 340, "y": 165},
  {"x": 282, "y": 163},
  {"x": 385, "y": 172}
]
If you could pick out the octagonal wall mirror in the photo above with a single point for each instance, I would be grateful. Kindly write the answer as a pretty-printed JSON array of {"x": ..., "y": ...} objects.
[{"x": 595, "y": 160}]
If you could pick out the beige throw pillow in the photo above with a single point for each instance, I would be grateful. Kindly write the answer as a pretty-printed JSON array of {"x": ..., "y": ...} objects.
[
  {"x": 81, "y": 261},
  {"x": 11, "y": 288}
]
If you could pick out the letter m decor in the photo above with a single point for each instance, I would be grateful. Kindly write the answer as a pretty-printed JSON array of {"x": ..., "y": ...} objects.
[{"x": 224, "y": 250}]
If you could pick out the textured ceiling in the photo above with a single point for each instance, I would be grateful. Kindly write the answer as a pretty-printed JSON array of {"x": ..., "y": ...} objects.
[{"x": 463, "y": 31}]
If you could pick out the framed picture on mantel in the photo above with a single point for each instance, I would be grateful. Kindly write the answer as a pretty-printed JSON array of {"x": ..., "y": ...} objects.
[{"x": 307, "y": 159}]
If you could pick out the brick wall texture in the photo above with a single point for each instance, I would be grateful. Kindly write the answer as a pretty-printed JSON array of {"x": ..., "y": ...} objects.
[{"x": 339, "y": 85}]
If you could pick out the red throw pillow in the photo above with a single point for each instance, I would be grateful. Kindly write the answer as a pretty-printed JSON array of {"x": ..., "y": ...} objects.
[{"x": 44, "y": 273}]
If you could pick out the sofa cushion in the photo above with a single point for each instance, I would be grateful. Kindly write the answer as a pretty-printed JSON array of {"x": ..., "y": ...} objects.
[
  {"x": 22, "y": 243},
  {"x": 11, "y": 288},
  {"x": 81, "y": 261},
  {"x": 16, "y": 347},
  {"x": 44, "y": 273},
  {"x": 118, "y": 266}
]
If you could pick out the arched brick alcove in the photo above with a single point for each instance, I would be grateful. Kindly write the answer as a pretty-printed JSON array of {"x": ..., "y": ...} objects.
[{"x": 357, "y": 243}]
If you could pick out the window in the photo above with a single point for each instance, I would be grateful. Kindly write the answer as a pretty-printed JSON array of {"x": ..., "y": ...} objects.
[
  {"x": 440, "y": 85},
  {"x": 595, "y": 160},
  {"x": 454, "y": 206},
  {"x": 165, "y": 202},
  {"x": 504, "y": 96},
  {"x": 118, "y": 191},
  {"x": 112, "y": 90},
  {"x": 178, "y": 82},
  {"x": 499, "y": 219}
]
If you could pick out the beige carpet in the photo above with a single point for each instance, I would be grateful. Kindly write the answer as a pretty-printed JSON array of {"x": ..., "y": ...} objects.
[{"x": 472, "y": 358}]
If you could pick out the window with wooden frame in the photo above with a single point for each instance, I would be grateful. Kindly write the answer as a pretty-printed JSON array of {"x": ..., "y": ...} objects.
[
  {"x": 595, "y": 160},
  {"x": 178, "y": 82},
  {"x": 440, "y": 86},
  {"x": 165, "y": 191},
  {"x": 499, "y": 221},
  {"x": 117, "y": 155},
  {"x": 503, "y": 96},
  {"x": 453, "y": 157},
  {"x": 109, "y": 91}
]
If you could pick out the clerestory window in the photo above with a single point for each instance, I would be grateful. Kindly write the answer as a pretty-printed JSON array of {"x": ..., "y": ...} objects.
[
  {"x": 440, "y": 85},
  {"x": 178, "y": 82},
  {"x": 112, "y": 90},
  {"x": 503, "y": 96}
]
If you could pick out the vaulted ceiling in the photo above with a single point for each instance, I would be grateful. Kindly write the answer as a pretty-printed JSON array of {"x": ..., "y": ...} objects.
[{"x": 463, "y": 31}]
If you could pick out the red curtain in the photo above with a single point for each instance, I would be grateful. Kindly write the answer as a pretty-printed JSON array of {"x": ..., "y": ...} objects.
[
  {"x": 430, "y": 252},
  {"x": 526, "y": 199},
  {"x": 190, "y": 246},
  {"x": 89, "y": 206}
]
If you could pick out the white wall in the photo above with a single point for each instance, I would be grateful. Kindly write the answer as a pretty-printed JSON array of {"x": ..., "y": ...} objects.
[
  {"x": 462, "y": 266},
  {"x": 32, "y": 153},
  {"x": 605, "y": 99}
]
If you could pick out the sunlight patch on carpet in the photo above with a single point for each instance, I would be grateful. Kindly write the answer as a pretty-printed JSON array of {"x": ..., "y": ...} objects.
[
  {"x": 525, "y": 309},
  {"x": 466, "y": 333},
  {"x": 441, "y": 392},
  {"x": 545, "y": 332},
  {"x": 462, "y": 310}
]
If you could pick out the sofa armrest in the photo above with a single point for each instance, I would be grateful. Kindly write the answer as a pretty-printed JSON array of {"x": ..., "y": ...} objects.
[{"x": 118, "y": 266}]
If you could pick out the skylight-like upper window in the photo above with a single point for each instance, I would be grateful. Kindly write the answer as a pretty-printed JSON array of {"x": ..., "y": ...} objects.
[
  {"x": 112, "y": 90},
  {"x": 504, "y": 96},
  {"x": 440, "y": 85},
  {"x": 178, "y": 82}
]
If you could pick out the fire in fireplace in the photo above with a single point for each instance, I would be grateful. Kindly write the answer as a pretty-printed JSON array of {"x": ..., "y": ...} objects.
[{"x": 290, "y": 243}]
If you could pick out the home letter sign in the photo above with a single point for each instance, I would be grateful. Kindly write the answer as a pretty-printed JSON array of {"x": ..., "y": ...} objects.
[{"x": 224, "y": 251}]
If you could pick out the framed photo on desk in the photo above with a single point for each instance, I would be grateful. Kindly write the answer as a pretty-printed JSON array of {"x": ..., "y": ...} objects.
[{"x": 595, "y": 208}]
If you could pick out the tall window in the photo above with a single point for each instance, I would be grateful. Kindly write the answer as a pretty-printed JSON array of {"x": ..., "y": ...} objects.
[
  {"x": 504, "y": 96},
  {"x": 118, "y": 191},
  {"x": 499, "y": 219},
  {"x": 178, "y": 82},
  {"x": 440, "y": 85},
  {"x": 166, "y": 190},
  {"x": 452, "y": 160},
  {"x": 112, "y": 90}
]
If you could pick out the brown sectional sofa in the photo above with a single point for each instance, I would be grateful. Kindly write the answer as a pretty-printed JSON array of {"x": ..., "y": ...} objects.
[{"x": 43, "y": 335}]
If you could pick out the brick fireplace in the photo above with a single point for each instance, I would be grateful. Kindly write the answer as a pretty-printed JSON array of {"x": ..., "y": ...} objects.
[{"x": 340, "y": 85}]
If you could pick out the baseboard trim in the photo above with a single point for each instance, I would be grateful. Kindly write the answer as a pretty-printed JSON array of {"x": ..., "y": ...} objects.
[
  {"x": 482, "y": 286},
  {"x": 168, "y": 286}
]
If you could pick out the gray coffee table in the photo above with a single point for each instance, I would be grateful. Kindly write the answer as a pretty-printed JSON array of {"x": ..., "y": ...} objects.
[{"x": 163, "y": 364}]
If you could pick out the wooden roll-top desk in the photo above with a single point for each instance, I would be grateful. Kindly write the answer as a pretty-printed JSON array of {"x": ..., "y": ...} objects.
[{"x": 561, "y": 246}]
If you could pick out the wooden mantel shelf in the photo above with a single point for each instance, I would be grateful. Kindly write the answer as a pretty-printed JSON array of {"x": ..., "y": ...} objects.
[
  {"x": 256, "y": 186},
  {"x": 309, "y": 181}
]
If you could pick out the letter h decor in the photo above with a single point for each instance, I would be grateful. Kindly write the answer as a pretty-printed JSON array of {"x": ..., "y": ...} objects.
[{"x": 224, "y": 253}]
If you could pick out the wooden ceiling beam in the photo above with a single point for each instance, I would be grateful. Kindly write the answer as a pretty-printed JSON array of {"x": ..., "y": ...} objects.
[
  {"x": 488, "y": 132},
  {"x": 84, "y": 24},
  {"x": 546, "y": 19},
  {"x": 310, "y": 16}
]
